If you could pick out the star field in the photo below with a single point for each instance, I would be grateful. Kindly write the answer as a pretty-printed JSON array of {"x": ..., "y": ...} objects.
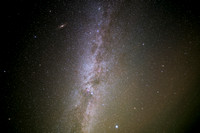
[{"x": 101, "y": 67}]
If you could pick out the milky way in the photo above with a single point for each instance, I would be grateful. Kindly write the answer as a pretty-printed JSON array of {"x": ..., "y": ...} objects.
[{"x": 96, "y": 61}]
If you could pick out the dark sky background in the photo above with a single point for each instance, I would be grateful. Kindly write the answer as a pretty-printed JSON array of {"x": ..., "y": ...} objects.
[{"x": 153, "y": 86}]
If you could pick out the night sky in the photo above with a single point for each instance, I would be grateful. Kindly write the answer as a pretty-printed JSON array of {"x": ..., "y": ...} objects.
[{"x": 100, "y": 66}]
